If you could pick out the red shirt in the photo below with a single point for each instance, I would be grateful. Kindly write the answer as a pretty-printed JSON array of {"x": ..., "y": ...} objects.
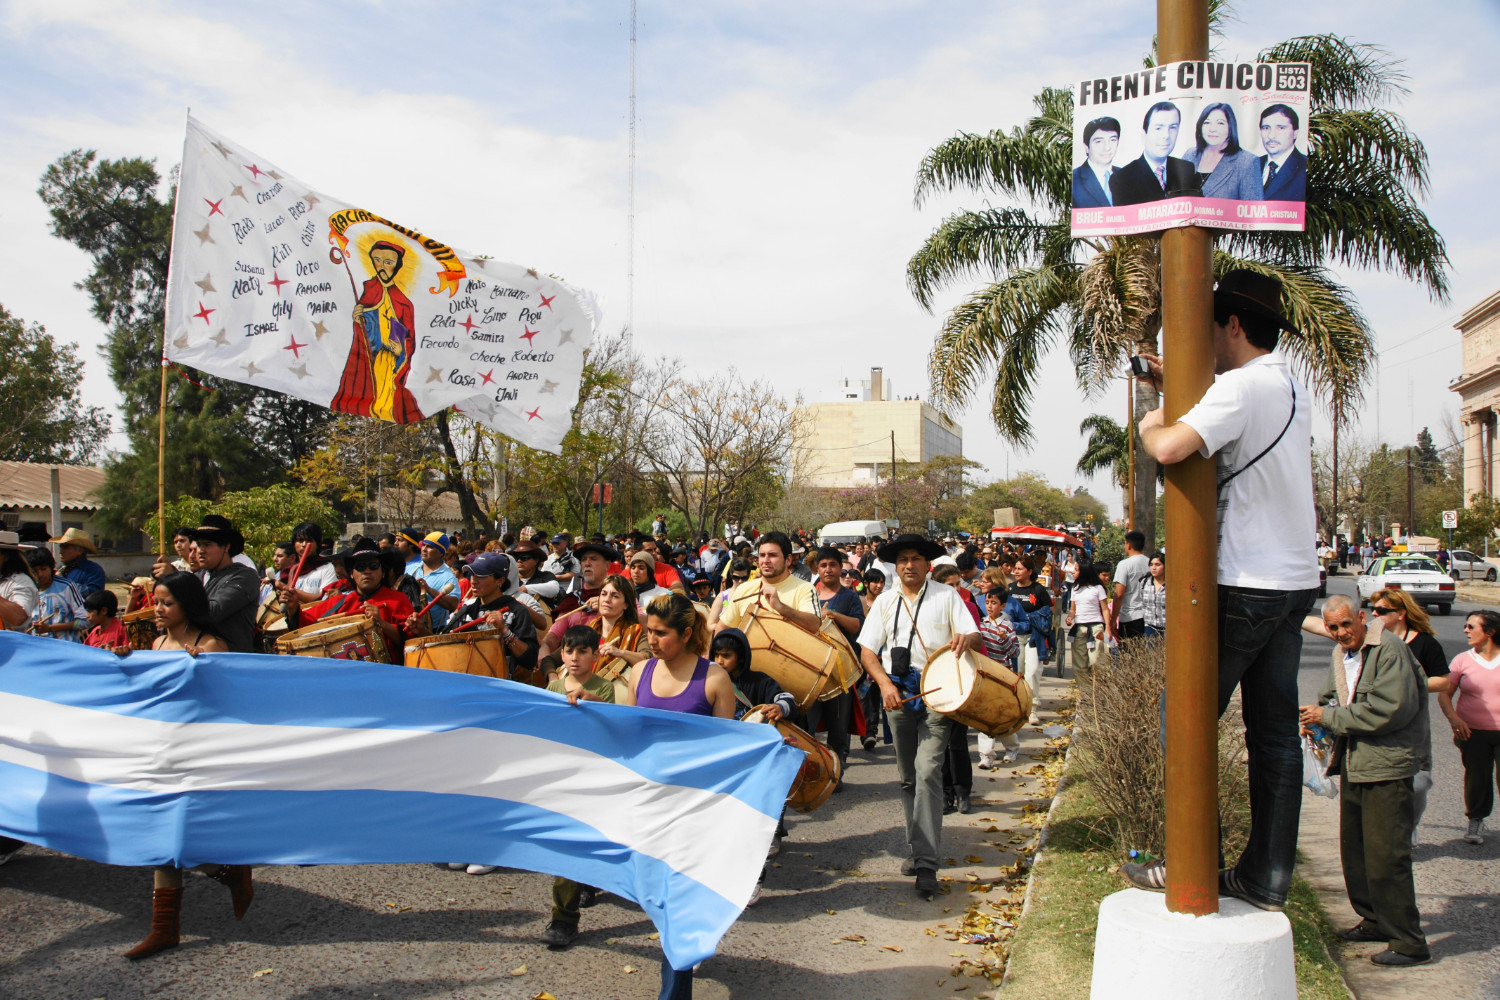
[
  {"x": 107, "y": 636},
  {"x": 393, "y": 605}
]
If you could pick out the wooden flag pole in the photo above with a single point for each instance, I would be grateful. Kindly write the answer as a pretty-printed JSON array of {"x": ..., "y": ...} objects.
[{"x": 161, "y": 453}]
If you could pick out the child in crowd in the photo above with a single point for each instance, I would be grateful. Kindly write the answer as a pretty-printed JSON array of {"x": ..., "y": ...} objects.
[
  {"x": 107, "y": 632},
  {"x": 577, "y": 680},
  {"x": 1000, "y": 645}
]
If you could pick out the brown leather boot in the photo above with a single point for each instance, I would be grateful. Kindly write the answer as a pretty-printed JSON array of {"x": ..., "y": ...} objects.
[
  {"x": 166, "y": 913},
  {"x": 241, "y": 888}
]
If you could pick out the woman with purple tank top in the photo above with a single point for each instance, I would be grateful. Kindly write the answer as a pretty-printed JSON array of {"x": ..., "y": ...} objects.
[{"x": 678, "y": 678}]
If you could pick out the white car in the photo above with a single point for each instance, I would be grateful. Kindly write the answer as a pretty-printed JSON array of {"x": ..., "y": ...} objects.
[
  {"x": 1418, "y": 575},
  {"x": 1466, "y": 565}
]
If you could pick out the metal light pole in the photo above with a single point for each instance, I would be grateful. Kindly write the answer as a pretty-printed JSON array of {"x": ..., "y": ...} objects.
[{"x": 1192, "y": 534}]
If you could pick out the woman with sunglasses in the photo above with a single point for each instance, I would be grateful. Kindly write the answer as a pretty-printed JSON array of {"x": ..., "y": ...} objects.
[
  {"x": 737, "y": 572},
  {"x": 1475, "y": 678}
]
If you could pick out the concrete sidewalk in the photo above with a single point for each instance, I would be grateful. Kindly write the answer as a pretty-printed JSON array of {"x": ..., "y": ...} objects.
[{"x": 1459, "y": 914}]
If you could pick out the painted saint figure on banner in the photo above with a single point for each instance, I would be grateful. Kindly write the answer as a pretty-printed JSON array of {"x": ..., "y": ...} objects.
[{"x": 374, "y": 380}]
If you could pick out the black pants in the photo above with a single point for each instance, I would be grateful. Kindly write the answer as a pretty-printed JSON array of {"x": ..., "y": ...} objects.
[
  {"x": 874, "y": 707},
  {"x": 958, "y": 767},
  {"x": 1133, "y": 629},
  {"x": 835, "y": 713},
  {"x": 1375, "y": 827},
  {"x": 1480, "y": 754}
]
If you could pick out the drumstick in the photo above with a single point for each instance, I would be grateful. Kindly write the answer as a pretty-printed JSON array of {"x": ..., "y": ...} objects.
[
  {"x": 467, "y": 625},
  {"x": 302, "y": 561},
  {"x": 919, "y": 694},
  {"x": 447, "y": 589}
]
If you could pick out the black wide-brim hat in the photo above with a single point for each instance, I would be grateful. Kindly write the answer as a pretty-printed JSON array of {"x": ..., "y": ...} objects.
[
  {"x": 604, "y": 550},
  {"x": 929, "y": 549},
  {"x": 220, "y": 531},
  {"x": 364, "y": 549},
  {"x": 1255, "y": 293}
]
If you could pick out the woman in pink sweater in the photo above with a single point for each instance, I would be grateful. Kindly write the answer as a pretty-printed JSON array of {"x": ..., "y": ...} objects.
[{"x": 1475, "y": 716}]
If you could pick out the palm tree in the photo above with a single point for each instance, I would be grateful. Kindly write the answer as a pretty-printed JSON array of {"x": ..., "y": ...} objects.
[
  {"x": 1102, "y": 297},
  {"x": 1107, "y": 448}
]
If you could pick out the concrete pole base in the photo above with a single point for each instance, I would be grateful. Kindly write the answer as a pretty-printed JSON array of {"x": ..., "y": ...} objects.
[{"x": 1142, "y": 951}]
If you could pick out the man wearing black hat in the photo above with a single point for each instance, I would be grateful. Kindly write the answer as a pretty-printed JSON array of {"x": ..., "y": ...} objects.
[
  {"x": 389, "y": 609},
  {"x": 539, "y": 583},
  {"x": 592, "y": 560},
  {"x": 233, "y": 588},
  {"x": 1256, "y": 421},
  {"x": 915, "y": 618}
]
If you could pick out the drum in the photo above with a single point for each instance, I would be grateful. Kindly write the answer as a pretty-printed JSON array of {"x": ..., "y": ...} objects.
[
  {"x": 270, "y": 625},
  {"x": 977, "y": 692},
  {"x": 342, "y": 637},
  {"x": 140, "y": 627},
  {"x": 625, "y": 636},
  {"x": 810, "y": 666},
  {"x": 477, "y": 652},
  {"x": 820, "y": 772}
]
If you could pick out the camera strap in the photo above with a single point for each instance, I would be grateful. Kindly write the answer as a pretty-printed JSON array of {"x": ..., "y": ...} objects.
[{"x": 896, "y": 624}]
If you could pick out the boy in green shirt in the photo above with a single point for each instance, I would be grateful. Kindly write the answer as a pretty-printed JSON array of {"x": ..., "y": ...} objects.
[{"x": 577, "y": 680}]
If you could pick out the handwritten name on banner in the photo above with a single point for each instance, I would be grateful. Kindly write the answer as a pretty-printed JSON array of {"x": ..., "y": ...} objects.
[{"x": 278, "y": 285}]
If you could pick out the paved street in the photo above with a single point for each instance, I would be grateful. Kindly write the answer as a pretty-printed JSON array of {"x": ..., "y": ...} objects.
[
  {"x": 1457, "y": 883},
  {"x": 836, "y": 918}
]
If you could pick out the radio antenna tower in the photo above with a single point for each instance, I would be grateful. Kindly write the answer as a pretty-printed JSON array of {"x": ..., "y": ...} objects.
[{"x": 630, "y": 200}]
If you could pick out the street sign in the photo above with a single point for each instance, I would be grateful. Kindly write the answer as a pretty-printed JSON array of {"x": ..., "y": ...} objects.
[
  {"x": 609, "y": 493},
  {"x": 1450, "y": 518}
]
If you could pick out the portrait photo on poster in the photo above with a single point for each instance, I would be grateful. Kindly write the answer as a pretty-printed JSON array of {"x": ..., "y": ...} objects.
[{"x": 1213, "y": 144}]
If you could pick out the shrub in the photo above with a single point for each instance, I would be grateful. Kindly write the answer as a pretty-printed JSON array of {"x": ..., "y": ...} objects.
[{"x": 1118, "y": 751}]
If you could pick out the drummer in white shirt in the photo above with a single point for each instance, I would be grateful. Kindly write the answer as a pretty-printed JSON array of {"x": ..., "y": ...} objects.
[{"x": 913, "y": 619}]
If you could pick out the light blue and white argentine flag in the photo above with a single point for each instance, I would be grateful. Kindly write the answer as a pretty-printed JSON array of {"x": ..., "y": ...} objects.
[{"x": 158, "y": 758}]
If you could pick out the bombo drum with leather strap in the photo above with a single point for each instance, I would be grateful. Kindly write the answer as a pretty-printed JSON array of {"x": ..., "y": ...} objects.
[
  {"x": 977, "y": 692},
  {"x": 477, "y": 652},
  {"x": 342, "y": 637},
  {"x": 820, "y": 771},
  {"x": 810, "y": 666}
]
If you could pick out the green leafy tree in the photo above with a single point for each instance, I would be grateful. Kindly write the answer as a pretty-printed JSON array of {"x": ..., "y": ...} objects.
[
  {"x": 220, "y": 435},
  {"x": 264, "y": 515},
  {"x": 1100, "y": 299},
  {"x": 1037, "y": 500},
  {"x": 42, "y": 416}
]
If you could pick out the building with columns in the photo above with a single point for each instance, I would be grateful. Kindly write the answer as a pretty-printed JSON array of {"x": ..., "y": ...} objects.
[{"x": 1478, "y": 388}]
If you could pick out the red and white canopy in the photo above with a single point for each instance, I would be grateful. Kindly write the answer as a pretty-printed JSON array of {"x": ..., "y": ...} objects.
[{"x": 1030, "y": 534}]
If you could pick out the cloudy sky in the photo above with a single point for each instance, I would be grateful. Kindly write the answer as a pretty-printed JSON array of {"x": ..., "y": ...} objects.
[{"x": 777, "y": 144}]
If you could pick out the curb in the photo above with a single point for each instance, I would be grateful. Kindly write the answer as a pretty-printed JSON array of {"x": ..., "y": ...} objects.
[{"x": 1041, "y": 844}]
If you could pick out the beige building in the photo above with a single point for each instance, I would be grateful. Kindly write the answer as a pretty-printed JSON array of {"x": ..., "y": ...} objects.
[
  {"x": 1479, "y": 390},
  {"x": 847, "y": 443}
]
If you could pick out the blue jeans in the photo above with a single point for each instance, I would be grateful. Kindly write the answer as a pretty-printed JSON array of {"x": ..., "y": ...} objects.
[
  {"x": 1260, "y": 646},
  {"x": 676, "y": 984}
]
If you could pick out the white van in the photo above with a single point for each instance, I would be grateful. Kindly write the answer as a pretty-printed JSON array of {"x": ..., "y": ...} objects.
[{"x": 849, "y": 532}]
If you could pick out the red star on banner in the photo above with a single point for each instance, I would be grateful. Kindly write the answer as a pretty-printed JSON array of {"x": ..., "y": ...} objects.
[
  {"x": 488, "y": 376},
  {"x": 529, "y": 334},
  {"x": 545, "y": 300},
  {"x": 254, "y": 170},
  {"x": 295, "y": 348},
  {"x": 469, "y": 324},
  {"x": 277, "y": 281},
  {"x": 213, "y": 207},
  {"x": 535, "y": 414},
  {"x": 203, "y": 312}
]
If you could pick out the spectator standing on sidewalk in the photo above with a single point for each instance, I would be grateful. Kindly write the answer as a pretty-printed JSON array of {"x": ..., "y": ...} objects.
[
  {"x": 1475, "y": 678},
  {"x": 1128, "y": 620},
  {"x": 1256, "y": 422},
  {"x": 1375, "y": 704}
]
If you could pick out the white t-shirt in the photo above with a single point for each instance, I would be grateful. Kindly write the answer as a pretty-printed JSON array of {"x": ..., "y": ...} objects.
[
  {"x": 1267, "y": 527},
  {"x": 21, "y": 589},
  {"x": 1088, "y": 608},
  {"x": 314, "y": 580},
  {"x": 942, "y": 615},
  {"x": 1353, "y": 664}
]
